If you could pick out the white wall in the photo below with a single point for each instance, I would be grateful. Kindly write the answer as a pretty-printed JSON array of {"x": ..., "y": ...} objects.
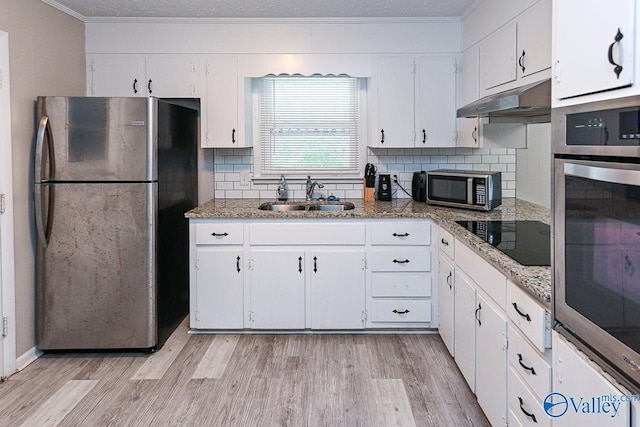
[
  {"x": 46, "y": 50},
  {"x": 534, "y": 166}
]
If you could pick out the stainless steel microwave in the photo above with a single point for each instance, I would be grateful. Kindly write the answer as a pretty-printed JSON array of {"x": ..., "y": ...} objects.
[{"x": 478, "y": 190}]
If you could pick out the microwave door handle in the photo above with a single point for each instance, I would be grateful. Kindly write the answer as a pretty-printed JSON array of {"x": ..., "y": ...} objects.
[
  {"x": 470, "y": 191},
  {"x": 617, "y": 176}
]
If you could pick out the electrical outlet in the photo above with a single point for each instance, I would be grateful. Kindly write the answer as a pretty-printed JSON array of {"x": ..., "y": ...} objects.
[{"x": 245, "y": 178}]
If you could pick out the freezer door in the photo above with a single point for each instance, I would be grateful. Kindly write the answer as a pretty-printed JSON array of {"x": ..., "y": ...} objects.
[
  {"x": 96, "y": 276},
  {"x": 96, "y": 139}
]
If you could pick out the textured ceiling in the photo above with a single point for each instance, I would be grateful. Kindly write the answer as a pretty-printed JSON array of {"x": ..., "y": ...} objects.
[{"x": 264, "y": 8}]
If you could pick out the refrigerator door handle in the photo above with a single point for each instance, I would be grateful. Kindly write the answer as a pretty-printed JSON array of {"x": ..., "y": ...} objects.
[{"x": 44, "y": 132}]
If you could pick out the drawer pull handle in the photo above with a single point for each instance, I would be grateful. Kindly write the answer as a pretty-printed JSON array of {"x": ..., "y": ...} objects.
[
  {"x": 524, "y": 411},
  {"x": 525, "y": 315},
  {"x": 400, "y": 312},
  {"x": 238, "y": 263},
  {"x": 406, "y": 261},
  {"x": 214, "y": 234},
  {"x": 449, "y": 279},
  {"x": 477, "y": 313},
  {"x": 300, "y": 264},
  {"x": 444, "y": 242},
  {"x": 400, "y": 235},
  {"x": 525, "y": 367}
]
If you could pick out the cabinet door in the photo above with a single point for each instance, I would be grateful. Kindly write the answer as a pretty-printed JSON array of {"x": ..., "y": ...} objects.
[
  {"x": 219, "y": 290},
  {"x": 395, "y": 102},
  {"x": 464, "y": 306},
  {"x": 498, "y": 58},
  {"x": 436, "y": 99},
  {"x": 171, "y": 76},
  {"x": 114, "y": 75},
  {"x": 582, "y": 386},
  {"x": 491, "y": 359},
  {"x": 470, "y": 133},
  {"x": 337, "y": 289},
  {"x": 277, "y": 289},
  {"x": 534, "y": 39},
  {"x": 446, "y": 279},
  {"x": 222, "y": 104},
  {"x": 468, "y": 71},
  {"x": 585, "y": 34}
]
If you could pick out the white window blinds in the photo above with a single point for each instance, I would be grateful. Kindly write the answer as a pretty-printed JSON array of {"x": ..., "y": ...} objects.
[{"x": 309, "y": 125}]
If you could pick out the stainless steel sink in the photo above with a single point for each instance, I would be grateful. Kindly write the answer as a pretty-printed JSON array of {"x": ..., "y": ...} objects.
[
  {"x": 326, "y": 206},
  {"x": 346, "y": 206},
  {"x": 281, "y": 207}
]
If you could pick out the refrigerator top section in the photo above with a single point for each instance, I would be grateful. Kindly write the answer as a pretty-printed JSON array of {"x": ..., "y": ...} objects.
[{"x": 98, "y": 139}]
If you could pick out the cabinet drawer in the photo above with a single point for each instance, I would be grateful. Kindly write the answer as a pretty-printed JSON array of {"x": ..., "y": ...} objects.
[
  {"x": 523, "y": 356},
  {"x": 401, "y": 259},
  {"x": 398, "y": 310},
  {"x": 307, "y": 233},
  {"x": 532, "y": 319},
  {"x": 484, "y": 274},
  {"x": 446, "y": 242},
  {"x": 400, "y": 285},
  {"x": 521, "y": 400},
  {"x": 219, "y": 233},
  {"x": 401, "y": 233}
]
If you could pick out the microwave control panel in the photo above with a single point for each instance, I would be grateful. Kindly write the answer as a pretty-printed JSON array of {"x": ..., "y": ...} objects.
[{"x": 480, "y": 191}]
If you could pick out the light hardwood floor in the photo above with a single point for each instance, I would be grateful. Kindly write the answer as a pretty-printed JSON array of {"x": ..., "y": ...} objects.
[{"x": 248, "y": 380}]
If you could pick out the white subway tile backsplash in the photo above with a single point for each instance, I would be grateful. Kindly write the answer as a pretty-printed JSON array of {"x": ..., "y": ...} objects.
[{"x": 228, "y": 163}]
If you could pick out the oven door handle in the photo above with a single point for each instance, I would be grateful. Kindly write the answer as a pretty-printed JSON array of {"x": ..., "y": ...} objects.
[{"x": 618, "y": 176}]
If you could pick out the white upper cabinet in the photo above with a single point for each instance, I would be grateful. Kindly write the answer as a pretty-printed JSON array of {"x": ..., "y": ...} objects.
[
  {"x": 594, "y": 46},
  {"x": 468, "y": 73},
  {"x": 115, "y": 75},
  {"x": 174, "y": 76},
  {"x": 436, "y": 103},
  {"x": 534, "y": 40},
  {"x": 520, "y": 49},
  {"x": 498, "y": 58},
  {"x": 395, "y": 102},
  {"x": 416, "y": 102},
  {"x": 179, "y": 76},
  {"x": 221, "y": 111}
]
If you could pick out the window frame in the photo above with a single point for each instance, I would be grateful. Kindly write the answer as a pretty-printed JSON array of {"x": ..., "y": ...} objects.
[{"x": 256, "y": 121}]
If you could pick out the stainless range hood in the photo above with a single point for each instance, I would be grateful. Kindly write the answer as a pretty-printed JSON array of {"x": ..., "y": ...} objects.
[{"x": 529, "y": 104}]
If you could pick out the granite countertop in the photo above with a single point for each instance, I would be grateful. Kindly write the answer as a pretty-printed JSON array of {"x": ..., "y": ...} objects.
[{"x": 536, "y": 280}]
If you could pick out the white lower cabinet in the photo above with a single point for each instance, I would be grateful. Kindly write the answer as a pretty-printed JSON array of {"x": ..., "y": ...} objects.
[
  {"x": 337, "y": 289},
  {"x": 446, "y": 288},
  {"x": 277, "y": 289},
  {"x": 400, "y": 292},
  {"x": 220, "y": 288},
  {"x": 585, "y": 395},
  {"x": 464, "y": 327},
  {"x": 491, "y": 360},
  {"x": 316, "y": 274}
]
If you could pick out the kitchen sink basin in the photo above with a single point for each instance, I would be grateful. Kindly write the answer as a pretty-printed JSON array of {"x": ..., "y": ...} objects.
[
  {"x": 347, "y": 206},
  {"x": 328, "y": 206},
  {"x": 281, "y": 207}
]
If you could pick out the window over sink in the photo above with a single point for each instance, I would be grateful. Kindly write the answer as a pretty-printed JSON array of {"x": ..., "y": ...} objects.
[{"x": 308, "y": 125}]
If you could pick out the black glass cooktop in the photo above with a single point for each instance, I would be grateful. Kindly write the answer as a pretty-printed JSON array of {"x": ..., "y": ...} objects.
[{"x": 527, "y": 242}]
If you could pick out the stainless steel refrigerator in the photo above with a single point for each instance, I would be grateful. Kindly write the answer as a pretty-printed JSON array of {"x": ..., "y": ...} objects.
[{"x": 113, "y": 179}]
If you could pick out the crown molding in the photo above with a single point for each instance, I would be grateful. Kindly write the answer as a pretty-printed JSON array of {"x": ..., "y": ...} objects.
[
  {"x": 65, "y": 9},
  {"x": 377, "y": 20}
]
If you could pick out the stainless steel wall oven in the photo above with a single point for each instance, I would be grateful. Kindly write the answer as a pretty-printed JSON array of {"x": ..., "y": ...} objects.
[{"x": 596, "y": 232}]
